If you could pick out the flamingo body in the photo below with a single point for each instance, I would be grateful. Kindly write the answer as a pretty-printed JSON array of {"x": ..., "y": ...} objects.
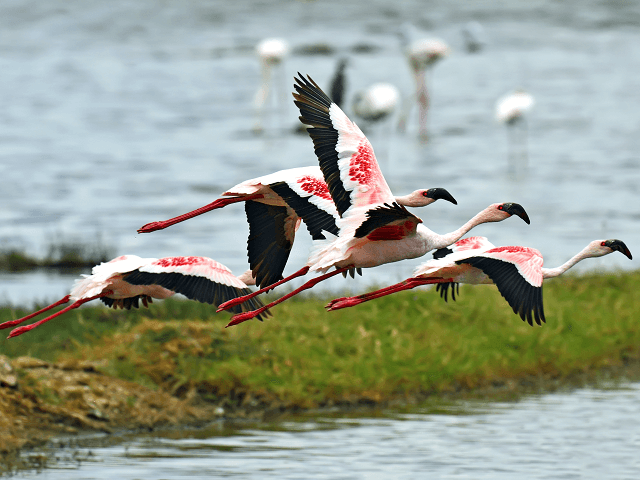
[
  {"x": 518, "y": 273},
  {"x": 126, "y": 280},
  {"x": 425, "y": 52}
]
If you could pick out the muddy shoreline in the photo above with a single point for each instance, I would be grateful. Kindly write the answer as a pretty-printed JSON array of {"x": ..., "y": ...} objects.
[{"x": 41, "y": 401}]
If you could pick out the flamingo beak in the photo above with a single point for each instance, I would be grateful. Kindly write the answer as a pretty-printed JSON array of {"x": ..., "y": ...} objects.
[
  {"x": 619, "y": 246},
  {"x": 516, "y": 209},
  {"x": 441, "y": 194}
]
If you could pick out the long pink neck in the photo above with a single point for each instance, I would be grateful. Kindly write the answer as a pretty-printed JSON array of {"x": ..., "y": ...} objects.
[
  {"x": 447, "y": 239},
  {"x": 557, "y": 271}
]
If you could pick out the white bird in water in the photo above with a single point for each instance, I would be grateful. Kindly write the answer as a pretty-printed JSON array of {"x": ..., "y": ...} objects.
[
  {"x": 377, "y": 102},
  {"x": 271, "y": 52},
  {"x": 127, "y": 280},
  {"x": 516, "y": 271},
  {"x": 374, "y": 228},
  {"x": 422, "y": 54},
  {"x": 512, "y": 109}
]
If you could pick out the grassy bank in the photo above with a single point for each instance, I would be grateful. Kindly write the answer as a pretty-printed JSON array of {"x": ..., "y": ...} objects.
[{"x": 405, "y": 346}]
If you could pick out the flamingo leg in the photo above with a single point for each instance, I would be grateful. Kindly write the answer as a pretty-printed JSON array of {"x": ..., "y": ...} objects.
[
  {"x": 407, "y": 284},
  {"x": 219, "y": 203},
  {"x": 237, "y": 301},
  {"x": 13, "y": 323},
  {"x": 20, "y": 330},
  {"x": 423, "y": 103},
  {"x": 242, "y": 317}
]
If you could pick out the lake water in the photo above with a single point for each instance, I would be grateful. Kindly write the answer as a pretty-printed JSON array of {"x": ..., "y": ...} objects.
[
  {"x": 120, "y": 113},
  {"x": 585, "y": 434},
  {"x": 114, "y": 114}
]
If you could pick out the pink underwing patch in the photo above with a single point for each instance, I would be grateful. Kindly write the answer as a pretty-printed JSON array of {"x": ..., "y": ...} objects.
[
  {"x": 363, "y": 167},
  {"x": 315, "y": 187},
  {"x": 513, "y": 249},
  {"x": 470, "y": 243},
  {"x": 364, "y": 170},
  {"x": 180, "y": 261},
  {"x": 390, "y": 232}
]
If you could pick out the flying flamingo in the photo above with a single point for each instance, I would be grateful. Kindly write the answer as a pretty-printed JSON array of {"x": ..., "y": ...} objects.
[
  {"x": 271, "y": 203},
  {"x": 422, "y": 54},
  {"x": 271, "y": 52},
  {"x": 373, "y": 228},
  {"x": 511, "y": 109},
  {"x": 128, "y": 279},
  {"x": 516, "y": 271}
]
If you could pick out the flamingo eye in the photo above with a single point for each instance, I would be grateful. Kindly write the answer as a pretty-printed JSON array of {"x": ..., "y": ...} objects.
[
  {"x": 424, "y": 194},
  {"x": 603, "y": 244},
  {"x": 500, "y": 207}
]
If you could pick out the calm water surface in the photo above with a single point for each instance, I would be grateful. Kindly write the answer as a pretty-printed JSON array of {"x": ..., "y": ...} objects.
[
  {"x": 585, "y": 434},
  {"x": 117, "y": 114}
]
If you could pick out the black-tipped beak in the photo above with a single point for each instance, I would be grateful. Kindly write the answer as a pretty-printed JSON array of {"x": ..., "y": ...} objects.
[
  {"x": 441, "y": 194},
  {"x": 516, "y": 209},
  {"x": 619, "y": 246}
]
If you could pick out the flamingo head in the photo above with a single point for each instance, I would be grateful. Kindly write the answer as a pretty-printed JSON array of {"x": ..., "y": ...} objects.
[
  {"x": 604, "y": 247},
  {"x": 501, "y": 211},
  {"x": 422, "y": 198}
]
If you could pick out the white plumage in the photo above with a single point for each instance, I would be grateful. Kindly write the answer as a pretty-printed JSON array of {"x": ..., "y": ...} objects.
[{"x": 127, "y": 280}]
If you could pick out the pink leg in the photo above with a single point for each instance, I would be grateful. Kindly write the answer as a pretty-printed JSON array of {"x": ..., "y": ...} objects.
[
  {"x": 13, "y": 323},
  {"x": 242, "y": 317},
  {"x": 237, "y": 301},
  {"x": 20, "y": 330},
  {"x": 219, "y": 203},
  {"x": 408, "y": 284}
]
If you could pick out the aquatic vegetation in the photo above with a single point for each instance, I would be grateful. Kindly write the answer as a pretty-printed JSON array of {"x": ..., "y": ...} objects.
[{"x": 62, "y": 255}]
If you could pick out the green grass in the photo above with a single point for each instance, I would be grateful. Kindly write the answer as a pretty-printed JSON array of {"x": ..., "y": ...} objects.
[{"x": 401, "y": 345}]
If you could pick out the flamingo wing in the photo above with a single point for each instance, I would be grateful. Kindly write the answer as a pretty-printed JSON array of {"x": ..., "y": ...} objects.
[
  {"x": 517, "y": 272},
  {"x": 387, "y": 222},
  {"x": 311, "y": 201},
  {"x": 470, "y": 243},
  {"x": 197, "y": 278},
  {"x": 346, "y": 157},
  {"x": 271, "y": 234}
]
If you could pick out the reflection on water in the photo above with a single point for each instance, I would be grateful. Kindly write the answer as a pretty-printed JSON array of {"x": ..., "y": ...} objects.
[
  {"x": 116, "y": 116},
  {"x": 586, "y": 434}
]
